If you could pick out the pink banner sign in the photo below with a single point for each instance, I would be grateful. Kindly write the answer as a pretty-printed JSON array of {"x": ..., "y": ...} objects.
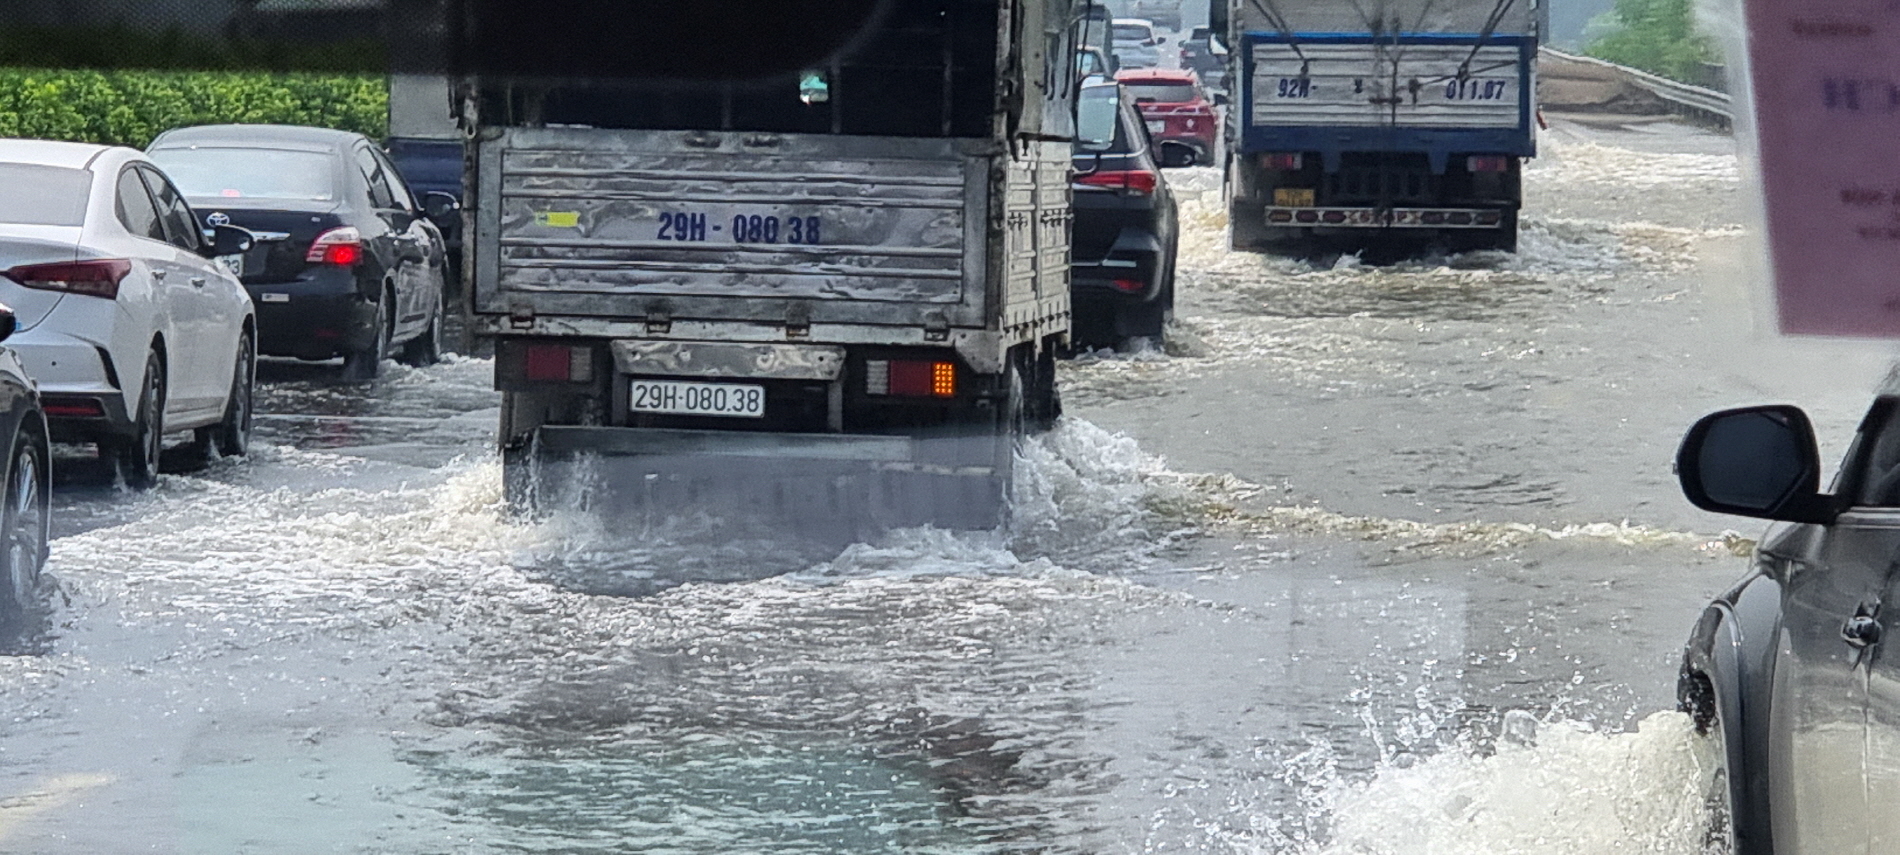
[{"x": 1826, "y": 77}]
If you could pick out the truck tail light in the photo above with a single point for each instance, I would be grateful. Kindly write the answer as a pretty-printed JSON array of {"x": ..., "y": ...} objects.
[
  {"x": 910, "y": 378},
  {"x": 1487, "y": 163},
  {"x": 1285, "y": 161},
  {"x": 92, "y": 278},
  {"x": 558, "y": 363},
  {"x": 340, "y": 246},
  {"x": 1138, "y": 181}
]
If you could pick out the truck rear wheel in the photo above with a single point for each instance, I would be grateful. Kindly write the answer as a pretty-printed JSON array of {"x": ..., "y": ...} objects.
[
  {"x": 521, "y": 414},
  {"x": 1045, "y": 398},
  {"x": 1247, "y": 227}
]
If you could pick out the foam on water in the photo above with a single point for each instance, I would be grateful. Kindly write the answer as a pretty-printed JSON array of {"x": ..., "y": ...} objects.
[
  {"x": 1595, "y": 165},
  {"x": 1573, "y": 791}
]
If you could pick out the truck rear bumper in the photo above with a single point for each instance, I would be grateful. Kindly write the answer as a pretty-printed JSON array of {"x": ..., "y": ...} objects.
[
  {"x": 1387, "y": 218},
  {"x": 661, "y": 442},
  {"x": 835, "y": 488}
]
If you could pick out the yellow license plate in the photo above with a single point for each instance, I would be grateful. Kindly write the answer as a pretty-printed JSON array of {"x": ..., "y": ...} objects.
[{"x": 1293, "y": 197}]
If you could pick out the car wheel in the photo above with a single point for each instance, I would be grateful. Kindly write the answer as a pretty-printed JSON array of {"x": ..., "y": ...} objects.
[
  {"x": 137, "y": 455},
  {"x": 1140, "y": 325},
  {"x": 25, "y": 524},
  {"x": 367, "y": 363},
  {"x": 231, "y": 436},
  {"x": 426, "y": 349},
  {"x": 1719, "y": 836}
]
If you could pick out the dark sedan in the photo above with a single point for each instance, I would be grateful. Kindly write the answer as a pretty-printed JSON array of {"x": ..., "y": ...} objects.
[
  {"x": 1788, "y": 672},
  {"x": 25, "y": 504},
  {"x": 1123, "y": 246},
  {"x": 346, "y": 262}
]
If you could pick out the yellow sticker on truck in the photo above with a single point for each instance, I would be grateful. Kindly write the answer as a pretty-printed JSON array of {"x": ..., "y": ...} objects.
[{"x": 558, "y": 219}]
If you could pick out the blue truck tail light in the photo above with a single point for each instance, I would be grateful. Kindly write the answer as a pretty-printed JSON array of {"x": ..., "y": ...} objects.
[
  {"x": 1487, "y": 163},
  {"x": 1285, "y": 161}
]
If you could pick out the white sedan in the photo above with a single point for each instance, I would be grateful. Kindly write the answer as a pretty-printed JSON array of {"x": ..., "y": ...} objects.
[{"x": 130, "y": 319}]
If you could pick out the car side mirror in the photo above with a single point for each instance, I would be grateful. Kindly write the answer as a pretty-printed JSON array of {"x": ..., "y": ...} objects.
[
  {"x": 1175, "y": 155},
  {"x": 1755, "y": 462},
  {"x": 1156, "y": 41},
  {"x": 227, "y": 240},
  {"x": 438, "y": 206},
  {"x": 9, "y": 322}
]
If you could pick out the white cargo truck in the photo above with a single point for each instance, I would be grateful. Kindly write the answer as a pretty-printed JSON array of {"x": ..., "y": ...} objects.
[{"x": 842, "y": 289}]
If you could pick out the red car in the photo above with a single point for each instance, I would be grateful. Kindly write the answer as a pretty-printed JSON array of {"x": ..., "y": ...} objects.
[{"x": 1175, "y": 109}]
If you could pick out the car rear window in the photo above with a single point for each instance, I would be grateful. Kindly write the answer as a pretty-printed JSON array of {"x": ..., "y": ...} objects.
[
  {"x": 1097, "y": 113},
  {"x": 249, "y": 173},
  {"x": 43, "y": 195},
  {"x": 1166, "y": 93},
  {"x": 1133, "y": 32}
]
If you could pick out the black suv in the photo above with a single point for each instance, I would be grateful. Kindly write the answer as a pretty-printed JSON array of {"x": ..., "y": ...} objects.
[
  {"x": 1201, "y": 55},
  {"x": 1122, "y": 255}
]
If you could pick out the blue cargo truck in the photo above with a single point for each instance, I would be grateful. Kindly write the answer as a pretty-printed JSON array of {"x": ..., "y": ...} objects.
[{"x": 1360, "y": 123}]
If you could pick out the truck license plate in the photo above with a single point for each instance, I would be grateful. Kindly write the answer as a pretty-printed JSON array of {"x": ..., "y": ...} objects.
[
  {"x": 698, "y": 399},
  {"x": 739, "y": 225},
  {"x": 1157, "y": 126},
  {"x": 1293, "y": 197}
]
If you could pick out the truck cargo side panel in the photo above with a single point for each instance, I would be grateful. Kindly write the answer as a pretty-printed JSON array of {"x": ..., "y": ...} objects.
[
  {"x": 732, "y": 226},
  {"x": 1346, "y": 100},
  {"x": 1035, "y": 252}
]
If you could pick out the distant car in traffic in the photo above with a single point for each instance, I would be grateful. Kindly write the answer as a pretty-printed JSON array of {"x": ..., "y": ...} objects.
[
  {"x": 1165, "y": 13},
  {"x": 127, "y": 316},
  {"x": 1122, "y": 248},
  {"x": 1204, "y": 56},
  {"x": 25, "y": 506},
  {"x": 347, "y": 262},
  {"x": 1134, "y": 43},
  {"x": 428, "y": 167},
  {"x": 1788, "y": 671},
  {"x": 1176, "y": 110}
]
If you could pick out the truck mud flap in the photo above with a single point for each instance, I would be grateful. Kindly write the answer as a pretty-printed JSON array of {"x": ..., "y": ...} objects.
[{"x": 829, "y": 487}]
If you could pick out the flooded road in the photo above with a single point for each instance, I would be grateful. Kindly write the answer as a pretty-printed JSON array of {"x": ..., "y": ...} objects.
[{"x": 1372, "y": 560}]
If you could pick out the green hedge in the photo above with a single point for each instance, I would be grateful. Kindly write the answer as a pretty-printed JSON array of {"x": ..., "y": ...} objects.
[
  {"x": 1657, "y": 36},
  {"x": 131, "y": 107}
]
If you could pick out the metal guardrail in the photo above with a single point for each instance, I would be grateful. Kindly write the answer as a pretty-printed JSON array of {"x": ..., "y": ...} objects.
[{"x": 1695, "y": 101}]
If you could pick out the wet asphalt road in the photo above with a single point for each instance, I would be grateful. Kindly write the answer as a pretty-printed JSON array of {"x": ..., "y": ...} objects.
[{"x": 1279, "y": 589}]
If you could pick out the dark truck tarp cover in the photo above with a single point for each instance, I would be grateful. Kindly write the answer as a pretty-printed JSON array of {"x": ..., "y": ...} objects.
[
  {"x": 923, "y": 68},
  {"x": 1515, "y": 17},
  {"x": 671, "y": 39}
]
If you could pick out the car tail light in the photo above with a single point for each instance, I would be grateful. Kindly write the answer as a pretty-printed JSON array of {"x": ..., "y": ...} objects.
[
  {"x": 92, "y": 278},
  {"x": 1129, "y": 286},
  {"x": 340, "y": 246},
  {"x": 1487, "y": 163},
  {"x": 72, "y": 408},
  {"x": 1285, "y": 161},
  {"x": 1138, "y": 181},
  {"x": 558, "y": 363},
  {"x": 911, "y": 378}
]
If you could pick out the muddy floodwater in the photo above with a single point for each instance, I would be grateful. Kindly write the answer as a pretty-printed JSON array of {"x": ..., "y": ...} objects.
[{"x": 1368, "y": 559}]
